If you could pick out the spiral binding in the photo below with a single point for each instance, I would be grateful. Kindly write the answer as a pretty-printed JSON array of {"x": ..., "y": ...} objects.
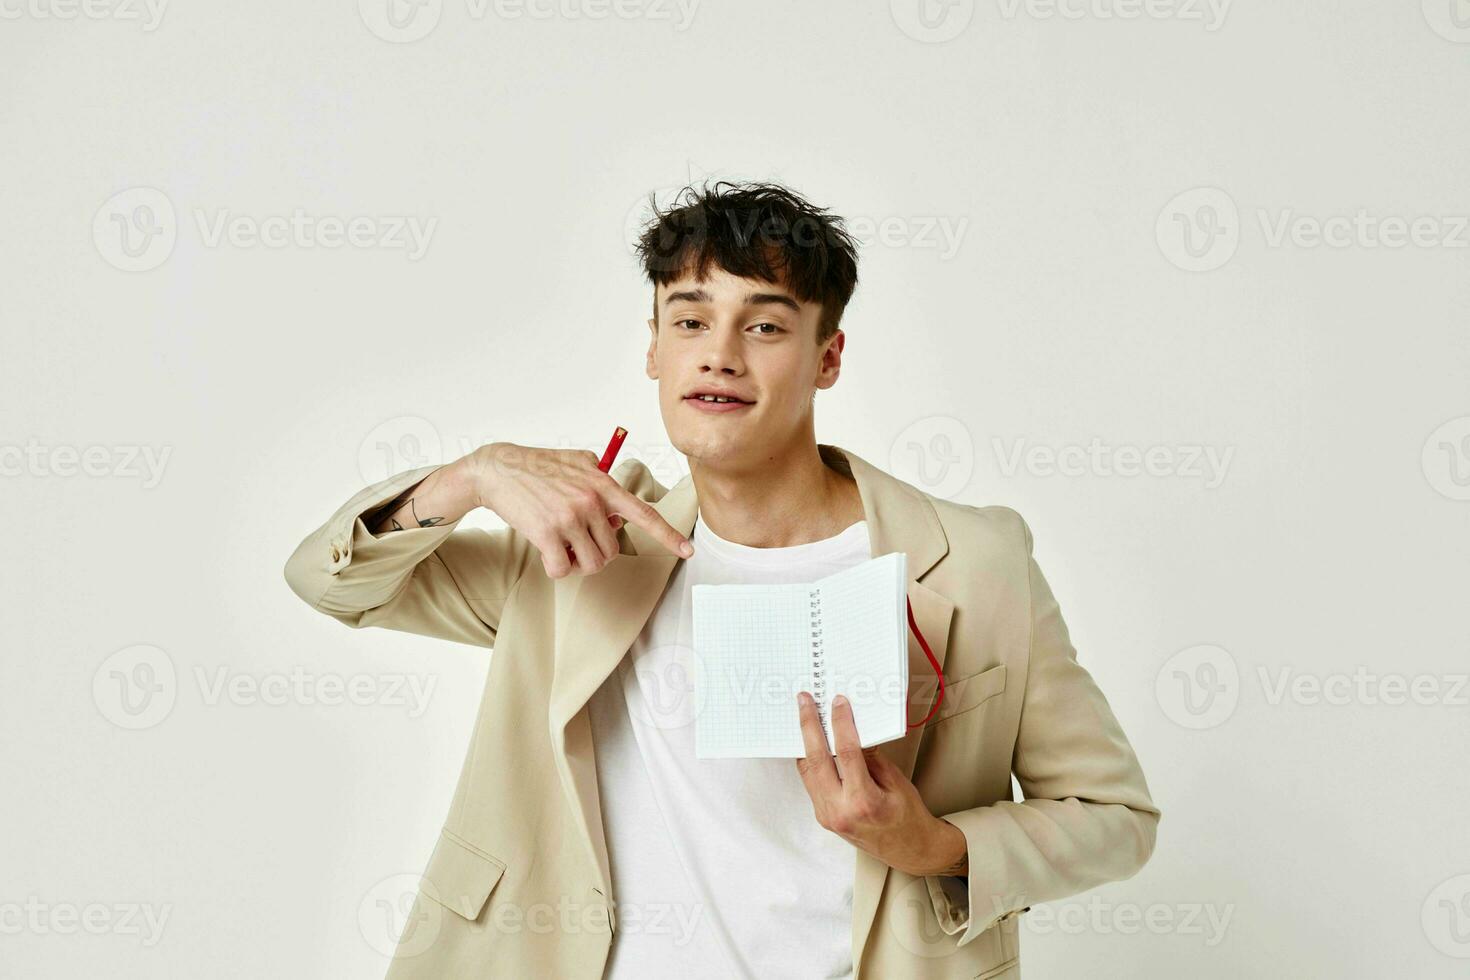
[{"x": 819, "y": 660}]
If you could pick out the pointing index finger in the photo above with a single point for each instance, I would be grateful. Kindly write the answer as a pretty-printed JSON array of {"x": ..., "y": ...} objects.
[{"x": 640, "y": 512}]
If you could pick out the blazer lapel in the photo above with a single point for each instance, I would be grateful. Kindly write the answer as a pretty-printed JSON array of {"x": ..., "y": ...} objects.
[
  {"x": 900, "y": 519},
  {"x": 598, "y": 617}
]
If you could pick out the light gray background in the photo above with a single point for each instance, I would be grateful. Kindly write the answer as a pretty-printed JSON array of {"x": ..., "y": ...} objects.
[{"x": 1114, "y": 188}]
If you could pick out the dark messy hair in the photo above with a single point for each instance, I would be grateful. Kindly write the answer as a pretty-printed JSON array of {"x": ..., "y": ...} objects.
[{"x": 755, "y": 231}]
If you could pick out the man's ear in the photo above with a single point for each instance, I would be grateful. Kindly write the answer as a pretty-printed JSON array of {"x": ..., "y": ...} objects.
[
  {"x": 830, "y": 365},
  {"x": 651, "y": 365}
]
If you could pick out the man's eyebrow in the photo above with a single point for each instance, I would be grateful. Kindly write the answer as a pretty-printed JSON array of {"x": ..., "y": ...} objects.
[{"x": 753, "y": 299}]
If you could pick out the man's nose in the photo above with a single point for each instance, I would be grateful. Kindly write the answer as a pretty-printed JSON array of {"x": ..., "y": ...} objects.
[{"x": 722, "y": 353}]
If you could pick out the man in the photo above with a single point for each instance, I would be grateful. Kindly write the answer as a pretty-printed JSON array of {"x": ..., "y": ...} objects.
[{"x": 585, "y": 839}]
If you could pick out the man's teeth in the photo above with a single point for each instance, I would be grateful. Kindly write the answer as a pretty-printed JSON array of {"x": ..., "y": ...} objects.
[{"x": 714, "y": 398}]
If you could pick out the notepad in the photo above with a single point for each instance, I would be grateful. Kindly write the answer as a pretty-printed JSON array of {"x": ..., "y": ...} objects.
[{"x": 757, "y": 645}]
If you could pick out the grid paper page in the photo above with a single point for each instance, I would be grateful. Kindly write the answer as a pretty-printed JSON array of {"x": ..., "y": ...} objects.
[
  {"x": 865, "y": 646},
  {"x": 752, "y": 648}
]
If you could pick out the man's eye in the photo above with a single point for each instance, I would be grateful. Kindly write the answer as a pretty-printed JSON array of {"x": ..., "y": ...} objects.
[
  {"x": 682, "y": 322},
  {"x": 774, "y": 328}
]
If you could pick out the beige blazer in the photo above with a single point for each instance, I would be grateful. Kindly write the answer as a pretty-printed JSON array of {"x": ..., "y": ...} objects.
[{"x": 517, "y": 884}]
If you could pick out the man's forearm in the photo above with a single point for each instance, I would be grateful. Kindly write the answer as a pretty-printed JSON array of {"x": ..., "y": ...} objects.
[
  {"x": 954, "y": 851},
  {"x": 445, "y": 495}
]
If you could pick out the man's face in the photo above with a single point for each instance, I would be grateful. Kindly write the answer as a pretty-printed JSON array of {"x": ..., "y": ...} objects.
[{"x": 750, "y": 339}]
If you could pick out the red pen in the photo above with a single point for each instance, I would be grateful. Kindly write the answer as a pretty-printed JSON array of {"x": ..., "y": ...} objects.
[
  {"x": 605, "y": 464},
  {"x": 613, "y": 445}
]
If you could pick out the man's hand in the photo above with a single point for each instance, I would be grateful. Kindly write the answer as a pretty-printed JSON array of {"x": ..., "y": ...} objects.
[
  {"x": 867, "y": 801},
  {"x": 568, "y": 508}
]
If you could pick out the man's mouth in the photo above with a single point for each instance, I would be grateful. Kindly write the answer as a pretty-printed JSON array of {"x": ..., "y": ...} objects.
[{"x": 711, "y": 403}]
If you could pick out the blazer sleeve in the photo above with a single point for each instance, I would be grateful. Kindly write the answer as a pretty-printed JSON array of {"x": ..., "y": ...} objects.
[
  {"x": 439, "y": 581},
  {"x": 1086, "y": 817}
]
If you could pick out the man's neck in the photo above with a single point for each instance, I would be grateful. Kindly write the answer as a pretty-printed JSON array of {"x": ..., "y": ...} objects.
[{"x": 787, "y": 500}]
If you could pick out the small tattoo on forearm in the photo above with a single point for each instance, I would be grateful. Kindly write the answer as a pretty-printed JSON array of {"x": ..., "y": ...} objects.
[{"x": 394, "y": 524}]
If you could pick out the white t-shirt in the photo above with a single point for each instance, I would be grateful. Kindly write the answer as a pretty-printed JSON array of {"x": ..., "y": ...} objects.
[{"x": 719, "y": 867}]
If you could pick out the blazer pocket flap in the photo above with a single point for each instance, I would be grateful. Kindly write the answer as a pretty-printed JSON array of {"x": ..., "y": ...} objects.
[
  {"x": 970, "y": 691},
  {"x": 460, "y": 877}
]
